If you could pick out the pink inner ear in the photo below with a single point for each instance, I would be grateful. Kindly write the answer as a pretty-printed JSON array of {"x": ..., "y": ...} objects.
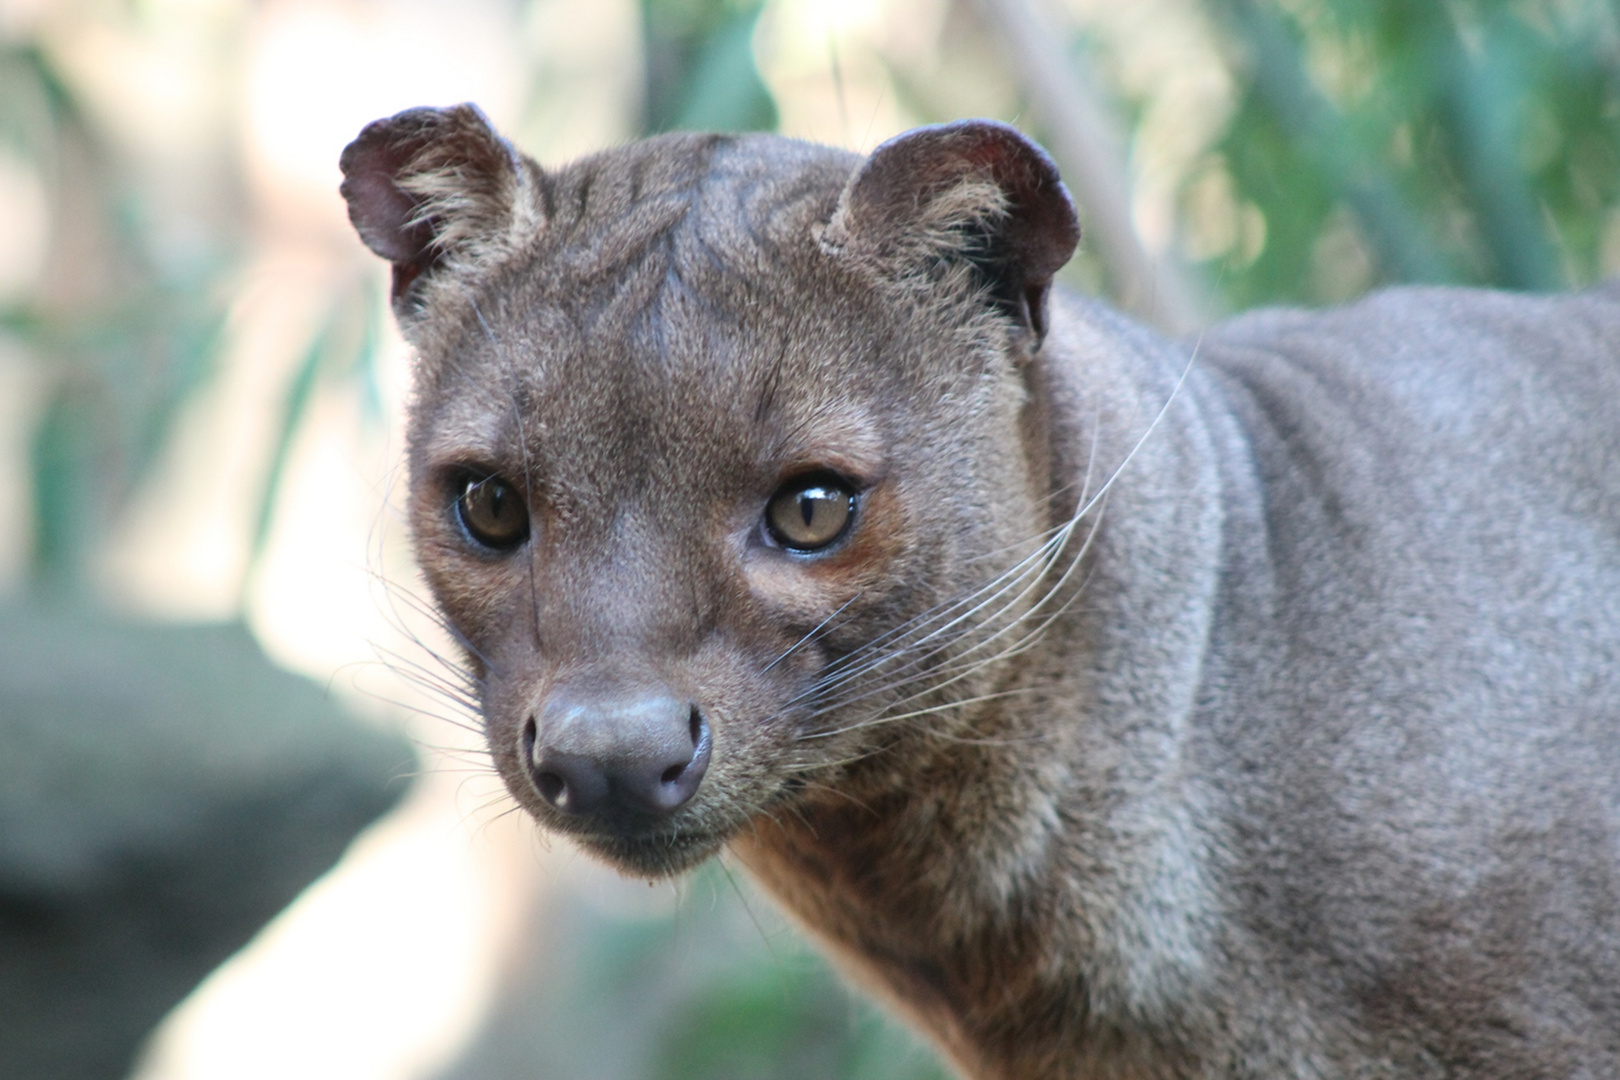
[
  {"x": 379, "y": 208},
  {"x": 1042, "y": 229},
  {"x": 1018, "y": 253},
  {"x": 425, "y": 147},
  {"x": 381, "y": 213}
]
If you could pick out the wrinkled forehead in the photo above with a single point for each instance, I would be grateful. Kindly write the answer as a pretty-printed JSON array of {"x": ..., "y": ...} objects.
[
  {"x": 676, "y": 312},
  {"x": 685, "y": 359}
]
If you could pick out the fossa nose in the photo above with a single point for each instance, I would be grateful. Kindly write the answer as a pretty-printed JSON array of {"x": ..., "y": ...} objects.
[{"x": 627, "y": 758}]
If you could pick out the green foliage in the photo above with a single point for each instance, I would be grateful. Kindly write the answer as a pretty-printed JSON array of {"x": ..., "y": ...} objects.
[
  {"x": 1474, "y": 141},
  {"x": 121, "y": 348},
  {"x": 348, "y": 347},
  {"x": 790, "y": 1019},
  {"x": 716, "y": 990},
  {"x": 124, "y": 343},
  {"x": 700, "y": 73},
  {"x": 1374, "y": 140}
]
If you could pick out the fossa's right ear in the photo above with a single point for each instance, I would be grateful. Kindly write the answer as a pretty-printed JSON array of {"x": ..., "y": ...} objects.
[
  {"x": 975, "y": 193},
  {"x": 431, "y": 187}
]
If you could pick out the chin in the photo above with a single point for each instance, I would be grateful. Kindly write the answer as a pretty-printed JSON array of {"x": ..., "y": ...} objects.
[{"x": 655, "y": 856}]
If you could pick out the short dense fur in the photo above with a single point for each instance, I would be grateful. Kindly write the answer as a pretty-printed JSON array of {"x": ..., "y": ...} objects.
[{"x": 1238, "y": 708}]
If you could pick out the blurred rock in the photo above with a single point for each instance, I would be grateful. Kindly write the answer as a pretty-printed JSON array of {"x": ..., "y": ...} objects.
[{"x": 164, "y": 791}]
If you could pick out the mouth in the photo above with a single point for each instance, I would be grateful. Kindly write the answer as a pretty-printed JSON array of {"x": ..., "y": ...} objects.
[
  {"x": 651, "y": 855},
  {"x": 651, "y": 852}
]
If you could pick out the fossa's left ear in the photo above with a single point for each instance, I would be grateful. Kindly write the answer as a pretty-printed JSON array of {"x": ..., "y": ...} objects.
[{"x": 976, "y": 192}]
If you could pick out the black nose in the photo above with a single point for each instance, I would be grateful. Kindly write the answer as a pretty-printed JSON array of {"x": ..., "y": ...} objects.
[{"x": 622, "y": 759}]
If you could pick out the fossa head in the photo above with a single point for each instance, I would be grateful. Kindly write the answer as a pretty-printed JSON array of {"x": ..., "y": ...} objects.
[{"x": 721, "y": 467}]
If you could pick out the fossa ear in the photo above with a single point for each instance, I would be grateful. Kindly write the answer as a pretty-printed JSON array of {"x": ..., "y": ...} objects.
[
  {"x": 433, "y": 189},
  {"x": 975, "y": 192}
]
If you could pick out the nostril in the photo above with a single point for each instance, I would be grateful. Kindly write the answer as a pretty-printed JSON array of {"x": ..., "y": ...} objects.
[
  {"x": 552, "y": 787},
  {"x": 624, "y": 761},
  {"x": 694, "y": 732},
  {"x": 680, "y": 781},
  {"x": 684, "y": 766}
]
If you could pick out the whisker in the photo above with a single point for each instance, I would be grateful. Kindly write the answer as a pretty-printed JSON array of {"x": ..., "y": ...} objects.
[
  {"x": 807, "y": 637},
  {"x": 463, "y": 692},
  {"x": 971, "y": 605},
  {"x": 945, "y": 611},
  {"x": 1000, "y": 619},
  {"x": 946, "y": 675},
  {"x": 888, "y": 718},
  {"x": 432, "y": 687},
  {"x": 1033, "y": 573},
  {"x": 393, "y": 591}
]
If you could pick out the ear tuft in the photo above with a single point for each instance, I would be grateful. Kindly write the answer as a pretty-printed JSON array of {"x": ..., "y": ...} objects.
[
  {"x": 428, "y": 184},
  {"x": 975, "y": 190}
]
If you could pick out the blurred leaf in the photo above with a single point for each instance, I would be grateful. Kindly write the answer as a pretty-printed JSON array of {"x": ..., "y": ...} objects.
[
  {"x": 1482, "y": 145},
  {"x": 117, "y": 379},
  {"x": 786, "y": 1020},
  {"x": 716, "y": 990},
  {"x": 66, "y": 491},
  {"x": 700, "y": 67},
  {"x": 346, "y": 347},
  {"x": 1295, "y": 153},
  {"x": 34, "y": 103},
  {"x": 294, "y": 404},
  {"x": 122, "y": 344},
  {"x": 1487, "y": 89},
  {"x": 368, "y": 359}
]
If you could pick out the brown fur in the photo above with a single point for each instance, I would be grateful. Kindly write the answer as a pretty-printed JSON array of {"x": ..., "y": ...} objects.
[{"x": 1157, "y": 717}]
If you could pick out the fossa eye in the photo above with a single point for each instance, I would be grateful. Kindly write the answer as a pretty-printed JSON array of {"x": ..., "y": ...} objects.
[
  {"x": 491, "y": 513},
  {"x": 810, "y": 513}
]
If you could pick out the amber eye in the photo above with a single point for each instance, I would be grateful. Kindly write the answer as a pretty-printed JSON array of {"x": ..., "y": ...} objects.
[
  {"x": 491, "y": 513},
  {"x": 809, "y": 513}
]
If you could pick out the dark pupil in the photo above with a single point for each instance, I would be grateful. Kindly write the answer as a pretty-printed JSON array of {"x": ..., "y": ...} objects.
[
  {"x": 491, "y": 512},
  {"x": 810, "y": 517}
]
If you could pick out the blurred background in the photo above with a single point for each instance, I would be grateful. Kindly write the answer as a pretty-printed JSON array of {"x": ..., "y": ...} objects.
[{"x": 200, "y": 398}]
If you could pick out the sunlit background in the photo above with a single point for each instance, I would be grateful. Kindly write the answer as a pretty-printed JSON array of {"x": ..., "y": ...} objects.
[{"x": 201, "y": 390}]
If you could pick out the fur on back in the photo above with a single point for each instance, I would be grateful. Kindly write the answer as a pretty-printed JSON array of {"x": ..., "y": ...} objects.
[{"x": 1242, "y": 706}]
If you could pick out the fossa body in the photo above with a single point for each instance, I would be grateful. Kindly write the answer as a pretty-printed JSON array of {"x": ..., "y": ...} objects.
[{"x": 1111, "y": 706}]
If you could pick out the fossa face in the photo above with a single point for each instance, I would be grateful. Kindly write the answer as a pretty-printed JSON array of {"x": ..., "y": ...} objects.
[{"x": 717, "y": 460}]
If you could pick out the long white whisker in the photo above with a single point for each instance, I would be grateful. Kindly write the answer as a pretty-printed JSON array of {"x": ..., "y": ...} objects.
[
  {"x": 809, "y": 636},
  {"x": 971, "y": 604},
  {"x": 907, "y": 653},
  {"x": 889, "y": 718}
]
